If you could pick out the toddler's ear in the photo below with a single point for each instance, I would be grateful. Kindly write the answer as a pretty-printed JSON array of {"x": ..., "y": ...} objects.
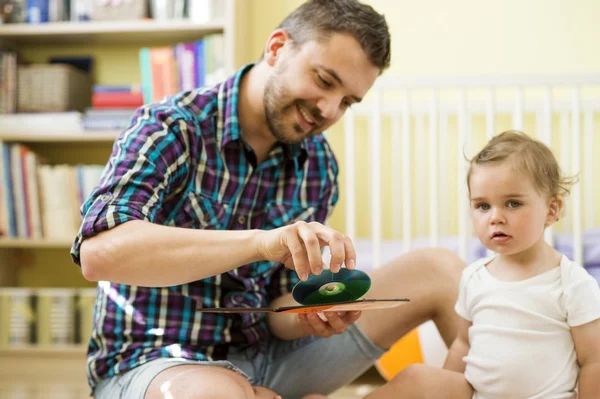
[{"x": 555, "y": 207}]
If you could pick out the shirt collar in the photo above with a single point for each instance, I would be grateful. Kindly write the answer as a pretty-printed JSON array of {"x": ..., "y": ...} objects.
[{"x": 228, "y": 104}]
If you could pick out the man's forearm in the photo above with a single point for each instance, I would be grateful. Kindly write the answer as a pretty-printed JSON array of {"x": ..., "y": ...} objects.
[
  {"x": 589, "y": 381},
  {"x": 147, "y": 254}
]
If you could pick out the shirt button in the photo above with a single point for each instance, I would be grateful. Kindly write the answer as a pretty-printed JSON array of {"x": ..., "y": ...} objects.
[
  {"x": 241, "y": 219},
  {"x": 105, "y": 197}
]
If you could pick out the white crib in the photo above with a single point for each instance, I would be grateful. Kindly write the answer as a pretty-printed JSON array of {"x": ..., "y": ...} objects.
[{"x": 418, "y": 132}]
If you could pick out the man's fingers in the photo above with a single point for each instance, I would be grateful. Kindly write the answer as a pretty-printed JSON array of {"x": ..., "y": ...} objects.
[
  {"x": 350, "y": 260},
  {"x": 351, "y": 317},
  {"x": 337, "y": 324},
  {"x": 313, "y": 249},
  {"x": 338, "y": 251},
  {"x": 298, "y": 254},
  {"x": 320, "y": 327}
]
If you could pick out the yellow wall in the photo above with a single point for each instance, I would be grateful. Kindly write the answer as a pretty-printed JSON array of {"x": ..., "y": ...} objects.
[
  {"x": 462, "y": 37},
  {"x": 429, "y": 37}
]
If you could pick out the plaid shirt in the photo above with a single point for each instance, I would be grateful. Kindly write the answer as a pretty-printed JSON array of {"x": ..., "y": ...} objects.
[{"x": 182, "y": 162}]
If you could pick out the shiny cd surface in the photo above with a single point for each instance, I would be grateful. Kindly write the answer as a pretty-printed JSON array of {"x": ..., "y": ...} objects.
[{"x": 326, "y": 288}]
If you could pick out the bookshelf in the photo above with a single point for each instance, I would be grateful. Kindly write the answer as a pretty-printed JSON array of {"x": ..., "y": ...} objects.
[
  {"x": 107, "y": 32},
  {"x": 95, "y": 136},
  {"x": 39, "y": 263},
  {"x": 35, "y": 243}
]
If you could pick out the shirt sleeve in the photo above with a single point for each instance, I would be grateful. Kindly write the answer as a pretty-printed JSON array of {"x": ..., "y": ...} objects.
[
  {"x": 581, "y": 296},
  {"x": 461, "y": 307},
  {"x": 148, "y": 163}
]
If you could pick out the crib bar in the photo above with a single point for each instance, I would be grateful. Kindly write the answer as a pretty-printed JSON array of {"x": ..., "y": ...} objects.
[
  {"x": 396, "y": 175},
  {"x": 444, "y": 82},
  {"x": 350, "y": 175},
  {"x": 420, "y": 184},
  {"x": 462, "y": 197},
  {"x": 588, "y": 172},
  {"x": 490, "y": 114},
  {"x": 433, "y": 169},
  {"x": 546, "y": 138},
  {"x": 444, "y": 223},
  {"x": 376, "y": 130},
  {"x": 576, "y": 168},
  {"x": 518, "y": 111},
  {"x": 565, "y": 163},
  {"x": 406, "y": 169}
]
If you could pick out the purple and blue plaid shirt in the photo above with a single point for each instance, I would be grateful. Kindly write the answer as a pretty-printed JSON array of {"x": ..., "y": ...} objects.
[{"x": 182, "y": 162}]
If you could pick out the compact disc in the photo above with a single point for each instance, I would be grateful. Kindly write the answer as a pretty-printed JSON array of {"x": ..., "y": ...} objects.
[{"x": 326, "y": 288}]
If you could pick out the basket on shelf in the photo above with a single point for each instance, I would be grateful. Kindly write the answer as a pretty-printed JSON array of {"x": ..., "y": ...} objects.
[
  {"x": 52, "y": 88},
  {"x": 119, "y": 10}
]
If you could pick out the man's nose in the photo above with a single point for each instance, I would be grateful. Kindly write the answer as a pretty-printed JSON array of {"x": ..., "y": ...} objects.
[{"x": 329, "y": 107}]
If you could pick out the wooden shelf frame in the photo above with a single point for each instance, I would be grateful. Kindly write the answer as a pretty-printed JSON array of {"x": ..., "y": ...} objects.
[
  {"x": 15, "y": 243},
  {"x": 53, "y": 350},
  {"x": 143, "y": 31},
  {"x": 49, "y": 137}
]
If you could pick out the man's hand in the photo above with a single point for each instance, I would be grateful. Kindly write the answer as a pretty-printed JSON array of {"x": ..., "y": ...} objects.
[
  {"x": 326, "y": 324},
  {"x": 298, "y": 246}
]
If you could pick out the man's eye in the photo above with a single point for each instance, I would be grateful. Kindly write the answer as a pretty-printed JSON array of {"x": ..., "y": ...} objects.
[{"x": 326, "y": 83}]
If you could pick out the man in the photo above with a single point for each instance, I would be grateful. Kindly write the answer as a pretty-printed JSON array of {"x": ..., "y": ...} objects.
[{"x": 210, "y": 193}]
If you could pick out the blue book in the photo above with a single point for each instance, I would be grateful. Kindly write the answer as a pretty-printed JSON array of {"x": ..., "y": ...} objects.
[{"x": 37, "y": 11}]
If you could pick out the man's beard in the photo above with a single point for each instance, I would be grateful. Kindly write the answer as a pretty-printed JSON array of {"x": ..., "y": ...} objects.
[{"x": 274, "y": 95}]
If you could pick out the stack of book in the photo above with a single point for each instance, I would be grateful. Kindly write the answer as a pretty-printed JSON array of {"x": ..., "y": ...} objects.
[
  {"x": 8, "y": 82},
  {"x": 38, "y": 200},
  {"x": 185, "y": 66},
  {"x": 112, "y": 107}
]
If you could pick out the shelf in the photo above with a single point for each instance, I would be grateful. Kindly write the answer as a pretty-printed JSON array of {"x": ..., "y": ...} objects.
[
  {"x": 41, "y": 350},
  {"x": 95, "y": 136},
  {"x": 30, "y": 243},
  {"x": 108, "y": 32}
]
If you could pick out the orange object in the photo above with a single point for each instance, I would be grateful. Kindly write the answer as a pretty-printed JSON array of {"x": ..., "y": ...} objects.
[{"x": 403, "y": 353}]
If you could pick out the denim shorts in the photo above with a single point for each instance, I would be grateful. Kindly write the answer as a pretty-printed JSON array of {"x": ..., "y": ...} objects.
[{"x": 290, "y": 368}]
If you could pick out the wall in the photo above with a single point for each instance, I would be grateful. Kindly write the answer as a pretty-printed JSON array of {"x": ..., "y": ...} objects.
[{"x": 459, "y": 38}]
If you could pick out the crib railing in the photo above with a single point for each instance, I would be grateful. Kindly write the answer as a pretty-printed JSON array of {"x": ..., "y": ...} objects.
[{"x": 425, "y": 120}]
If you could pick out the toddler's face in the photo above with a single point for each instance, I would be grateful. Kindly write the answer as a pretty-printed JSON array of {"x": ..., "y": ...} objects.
[{"x": 509, "y": 215}]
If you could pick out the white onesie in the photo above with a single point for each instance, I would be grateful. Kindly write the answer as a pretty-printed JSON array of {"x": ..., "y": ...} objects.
[{"x": 521, "y": 343}]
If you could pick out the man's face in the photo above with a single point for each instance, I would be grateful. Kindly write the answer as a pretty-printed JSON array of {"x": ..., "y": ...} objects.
[{"x": 313, "y": 85}]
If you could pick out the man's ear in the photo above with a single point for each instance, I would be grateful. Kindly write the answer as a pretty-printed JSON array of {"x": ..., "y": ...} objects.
[
  {"x": 273, "y": 49},
  {"x": 555, "y": 207}
]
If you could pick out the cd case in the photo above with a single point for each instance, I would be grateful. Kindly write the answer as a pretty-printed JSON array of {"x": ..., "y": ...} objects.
[{"x": 361, "y": 304}]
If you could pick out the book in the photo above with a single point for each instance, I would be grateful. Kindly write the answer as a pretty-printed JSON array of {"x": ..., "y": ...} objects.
[{"x": 360, "y": 304}]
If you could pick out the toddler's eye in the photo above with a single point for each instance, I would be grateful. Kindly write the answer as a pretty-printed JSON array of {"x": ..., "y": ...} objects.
[
  {"x": 483, "y": 207},
  {"x": 513, "y": 204}
]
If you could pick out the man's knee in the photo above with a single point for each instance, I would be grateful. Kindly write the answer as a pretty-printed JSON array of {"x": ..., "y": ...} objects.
[
  {"x": 199, "y": 382},
  {"x": 436, "y": 263},
  {"x": 412, "y": 378}
]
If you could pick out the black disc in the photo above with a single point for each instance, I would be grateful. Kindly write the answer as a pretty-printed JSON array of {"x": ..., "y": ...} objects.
[{"x": 326, "y": 288}]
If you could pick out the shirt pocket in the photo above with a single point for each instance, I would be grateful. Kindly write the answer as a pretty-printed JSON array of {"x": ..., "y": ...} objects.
[
  {"x": 278, "y": 214},
  {"x": 203, "y": 212}
]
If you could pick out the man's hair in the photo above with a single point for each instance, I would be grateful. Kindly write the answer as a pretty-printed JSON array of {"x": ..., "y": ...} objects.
[
  {"x": 319, "y": 19},
  {"x": 528, "y": 156}
]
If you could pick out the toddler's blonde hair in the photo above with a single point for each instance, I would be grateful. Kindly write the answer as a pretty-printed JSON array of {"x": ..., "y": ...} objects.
[{"x": 529, "y": 156}]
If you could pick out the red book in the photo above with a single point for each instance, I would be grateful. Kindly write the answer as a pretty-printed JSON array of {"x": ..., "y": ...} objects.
[{"x": 117, "y": 100}]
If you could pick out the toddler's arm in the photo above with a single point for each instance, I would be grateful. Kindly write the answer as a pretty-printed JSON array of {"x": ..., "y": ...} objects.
[
  {"x": 459, "y": 349},
  {"x": 587, "y": 345}
]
